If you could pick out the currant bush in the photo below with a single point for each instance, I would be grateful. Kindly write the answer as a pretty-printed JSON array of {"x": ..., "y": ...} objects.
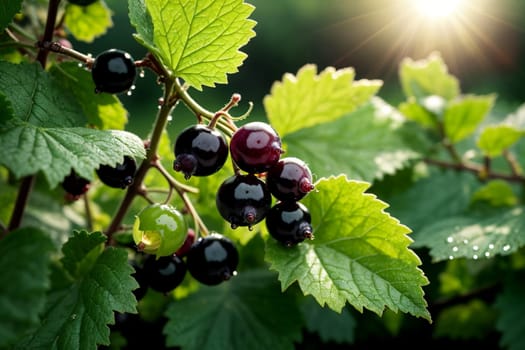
[
  {"x": 199, "y": 151},
  {"x": 113, "y": 71},
  {"x": 243, "y": 200},
  {"x": 120, "y": 176},
  {"x": 213, "y": 259},
  {"x": 255, "y": 147}
]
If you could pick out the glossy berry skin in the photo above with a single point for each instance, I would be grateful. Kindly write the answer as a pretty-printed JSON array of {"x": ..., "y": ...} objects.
[
  {"x": 113, "y": 71},
  {"x": 243, "y": 200},
  {"x": 289, "y": 223},
  {"x": 255, "y": 147},
  {"x": 82, "y": 2},
  {"x": 212, "y": 259},
  {"x": 199, "y": 151},
  {"x": 75, "y": 185},
  {"x": 120, "y": 176},
  {"x": 186, "y": 246},
  {"x": 165, "y": 273},
  {"x": 289, "y": 179}
]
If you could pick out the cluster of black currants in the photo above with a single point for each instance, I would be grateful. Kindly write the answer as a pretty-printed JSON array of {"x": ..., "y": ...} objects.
[
  {"x": 211, "y": 260},
  {"x": 245, "y": 198},
  {"x": 119, "y": 176}
]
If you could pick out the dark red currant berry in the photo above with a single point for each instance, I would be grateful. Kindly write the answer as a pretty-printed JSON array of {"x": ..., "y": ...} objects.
[
  {"x": 213, "y": 259},
  {"x": 113, "y": 71},
  {"x": 188, "y": 242},
  {"x": 165, "y": 273},
  {"x": 255, "y": 147},
  {"x": 75, "y": 185},
  {"x": 289, "y": 223},
  {"x": 199, "y": 151},
  {"x": 120, "y": 176},
  {"x": 289, "y": 179},
  {"x": 243, "y": 200}
]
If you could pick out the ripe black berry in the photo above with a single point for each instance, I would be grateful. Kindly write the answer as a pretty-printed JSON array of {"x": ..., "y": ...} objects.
[
  {"x": 120, "y": 176},
  {"x": 199, "y": 151},
  {"x": 255, "y": 147},
  {"x": 289, "y": 223},
  {"x": 113, "y": 71},
  {"x": 243, "y": 200},
  {"x": 75, "y": 185},
  {"x": 142, "y": 279},
  {"x": 165, "y": 273},
  {"x": 212, "y": 259},
  {"x": 289, "y": 179},
  {"x": 82, "y": 2}
]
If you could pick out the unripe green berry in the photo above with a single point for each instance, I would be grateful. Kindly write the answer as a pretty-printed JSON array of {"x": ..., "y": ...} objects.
[{"x": 159, "y": 229}]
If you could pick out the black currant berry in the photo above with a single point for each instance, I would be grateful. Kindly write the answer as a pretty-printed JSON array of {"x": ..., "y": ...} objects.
[
  {"x": 82, "y": 2},
  {"x": 75, "y": 185},
  {"x": 142, "y": 279},
  {"x": 213, "y": 259},
  {"x": 200, "y": 151},
  {"x": 165, "y": 273},
  {"x": 243, "y": 200},
  {"x": 255, "y": 147},
  {"x": 289, "y": 223},
  {"x": 289, "y": 179},
  {"x": 120, "y": 176},
  {"x": 113, "y": 71}
]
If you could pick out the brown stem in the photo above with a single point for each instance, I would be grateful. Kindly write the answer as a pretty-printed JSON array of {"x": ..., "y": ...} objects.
[
  {"x": 52, "y": 11},
  {"x": 476, "y": 169}
]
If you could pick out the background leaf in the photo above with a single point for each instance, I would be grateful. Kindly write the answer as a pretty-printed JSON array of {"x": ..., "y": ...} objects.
[
  {"x": 199, "y": 41},
  {"x": 365, "y": 144},
  {"x": 495, "y": 139},
  {"x": 79, "y": 311},
  {"x": 8, "y": 9},
  {"x": 307, "y": 99},
  {"x": 511, "y": 306},
  {"x": 26, "y": 149},
  {"x": 463, "y": 116},
  {"x": 24, "y": 280},
  {"x": 499, "y": 232},
  {"x": 359, "y": 255},
  {"x": 86, "y": 23},
  {"x": 247, "y": 312},
  {"x": 427, "y": 77}
]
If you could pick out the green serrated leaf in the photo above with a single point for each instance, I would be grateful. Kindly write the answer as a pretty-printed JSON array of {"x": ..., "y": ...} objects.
[
  {"x": 469, "y": 321},
  {"x": 26, "y": 149},
  {"x": 247, "y": 312},
  {"x": 8, "y": 9},
  {"x": 365, "y": 144},
  {"x": 24, "y": 280},
  {"x": 417, "y": 113},
  {"x": 359, "y": 255},
  {"x": 104, "y": 111},
  {"x": 495, "y": 139},
  {"x": 331, "y": 326},
  {"x": 199, "y": 40},
  {"x": 474, "y": 237},
  {"x": 511, "y": 306},
  {"x": 463, "y": 116},
  {"x": 427, "y": 77},
  {"x": 86, "y": 23},
  {"x": 81, "y": 252},
  {"x": 140, "y": 18},
  {"x": 36, "y": 98},
  {"x": 77, "y": 315},
  {"x": 308, "y": 98}
]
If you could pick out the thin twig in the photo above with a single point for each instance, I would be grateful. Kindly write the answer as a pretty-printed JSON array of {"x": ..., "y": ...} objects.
[{"x": 476, "y": 169}]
